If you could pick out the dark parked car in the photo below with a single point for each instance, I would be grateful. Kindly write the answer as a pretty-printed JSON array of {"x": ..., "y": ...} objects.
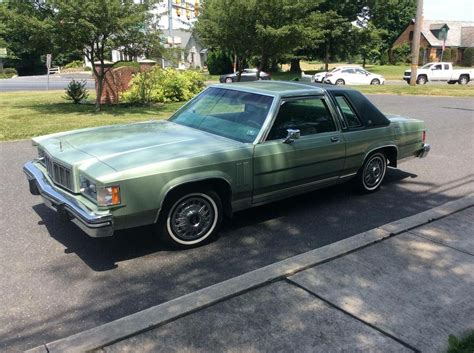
[{"x": 247, "y": 75}]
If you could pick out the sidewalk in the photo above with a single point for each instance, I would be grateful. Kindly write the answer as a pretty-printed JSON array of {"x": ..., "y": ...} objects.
[{"x": 407, "y": 289}]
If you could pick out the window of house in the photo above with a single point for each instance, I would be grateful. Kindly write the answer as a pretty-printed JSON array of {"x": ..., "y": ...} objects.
[
  {"x": 351, "y": 118},
  {"x": 438, "y": 53},
  {"x": 310, "y": 116},
  {"x": 410, "y": 36}
]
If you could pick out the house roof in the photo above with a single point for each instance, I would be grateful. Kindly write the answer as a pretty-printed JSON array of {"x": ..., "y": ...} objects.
[
  {"x": 467, "y": 37},
  {"x": 460, "y": 34}
]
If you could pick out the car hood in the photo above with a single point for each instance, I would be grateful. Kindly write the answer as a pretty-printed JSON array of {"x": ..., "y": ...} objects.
[{"x": 123, "y": 147}]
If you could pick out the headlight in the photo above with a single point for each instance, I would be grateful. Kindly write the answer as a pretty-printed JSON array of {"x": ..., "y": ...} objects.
[{"x": 103, "y": 196}]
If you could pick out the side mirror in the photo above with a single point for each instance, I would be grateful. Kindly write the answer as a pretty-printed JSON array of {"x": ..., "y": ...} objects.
[{"x": 293, "y": 134}]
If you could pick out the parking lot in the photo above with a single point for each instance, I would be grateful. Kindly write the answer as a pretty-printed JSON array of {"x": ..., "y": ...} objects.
[{"x": 56, "y": 281}]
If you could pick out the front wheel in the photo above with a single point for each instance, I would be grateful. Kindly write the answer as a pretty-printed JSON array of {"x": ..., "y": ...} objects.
[
  {"x": 229, "y": 80},
  {"x": 191, "y": 219},
  {"x": 375, "y": 81},
  {"x": 371, "y": 175},
  {"x": 421, "y": 80}
]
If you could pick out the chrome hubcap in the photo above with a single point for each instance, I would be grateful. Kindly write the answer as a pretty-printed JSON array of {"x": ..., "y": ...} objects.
[
  {"x": 192, "y": 218},
  {"x": 374, "y": 172}
]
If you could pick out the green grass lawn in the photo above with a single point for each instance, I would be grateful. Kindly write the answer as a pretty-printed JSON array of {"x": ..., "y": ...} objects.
[{"x": 27, "y": 114}]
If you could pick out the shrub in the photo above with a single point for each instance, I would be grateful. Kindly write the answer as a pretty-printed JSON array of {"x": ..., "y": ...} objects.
[
  {"x": 9, "y": 71},
  {"x": 163, "y": 85},
  {"x": 76, "y": 64},
  {"x": 400, "y": 54},
  {"x": 447, "y": 54},
  {"x": 218, "y": 63},
  {"x": 126, "y": 64},
  {"x": 76, "y": 91},
  {"x": 384, "y": 58},
  {"x": 468, "y": 57}
]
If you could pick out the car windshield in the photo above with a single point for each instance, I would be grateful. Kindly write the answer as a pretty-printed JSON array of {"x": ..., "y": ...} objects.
[
  {"x": 226, "y": 112},
  {"x": 427, "y": 66}
]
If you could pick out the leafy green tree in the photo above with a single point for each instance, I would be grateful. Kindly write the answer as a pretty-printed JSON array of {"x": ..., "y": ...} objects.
[
  {"x": 229, "y": 25},
  {"x": 391, "y": 17},
  {"x": 333, "y": 32},
  {"x": 368, "y": 42},
  {"x": 97, "y": 26},
  {"x": 26, "y": 29}
]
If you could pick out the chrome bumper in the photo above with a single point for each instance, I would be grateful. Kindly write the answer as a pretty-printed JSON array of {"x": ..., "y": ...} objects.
[
  {"x": 96, "y": 225},
  {"x": 424, "y": 151}
]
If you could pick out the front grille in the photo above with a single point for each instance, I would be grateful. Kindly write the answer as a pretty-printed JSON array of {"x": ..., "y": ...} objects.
[
  {"x": 407, "y": 73},
  {"x": 60, "y": 174}
]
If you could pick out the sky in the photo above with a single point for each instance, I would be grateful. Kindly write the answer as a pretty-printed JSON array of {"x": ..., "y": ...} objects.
[{"x": 449, "y": 10}]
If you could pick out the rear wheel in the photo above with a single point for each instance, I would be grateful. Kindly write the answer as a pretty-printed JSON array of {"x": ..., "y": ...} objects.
[
  {"x": 228, "y": 80},
  {"x": 340, "y": 81},
  {"x": 463, "y": 80},
  {"x": 190, "y": 219},
  {"x": 375, "y": 81},
  {"x": 370, "y": 176}
]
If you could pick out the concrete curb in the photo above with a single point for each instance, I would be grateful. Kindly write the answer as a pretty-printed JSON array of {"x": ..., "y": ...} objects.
[{"x": 158, "y": 315}]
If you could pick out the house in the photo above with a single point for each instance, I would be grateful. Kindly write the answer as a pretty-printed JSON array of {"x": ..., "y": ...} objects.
[{"x": 456, "y": 35}]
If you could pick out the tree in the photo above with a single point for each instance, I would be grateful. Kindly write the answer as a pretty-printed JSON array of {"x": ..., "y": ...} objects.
[
  {"x": 332, "y": 33},
  {"x": 280, "y": 34},
  {"x": 391, "y": 17},
  {"x": 97, "y": 26},
  {"x": 229, "y": 25},
  {"x": 26, "y": 29},
  {"x": 368, "y": 42}
]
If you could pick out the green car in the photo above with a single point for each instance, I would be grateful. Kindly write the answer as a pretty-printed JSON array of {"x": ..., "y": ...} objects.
[{"x": 230, "y": 148}]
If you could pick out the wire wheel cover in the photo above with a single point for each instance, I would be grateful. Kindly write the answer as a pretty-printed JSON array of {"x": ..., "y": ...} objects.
[
  {"x": 374, "y": 172},
  {"x": 192, "y": 218}
]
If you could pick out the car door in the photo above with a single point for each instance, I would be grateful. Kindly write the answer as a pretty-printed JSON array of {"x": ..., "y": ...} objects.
[
  {"x": 361, "y": 77},
  {"x": 437, "y": 72},
  {"x": 349, "y": 76},
  {"x": 248, "y": 75},
  {"x": 316, "y": 159}
]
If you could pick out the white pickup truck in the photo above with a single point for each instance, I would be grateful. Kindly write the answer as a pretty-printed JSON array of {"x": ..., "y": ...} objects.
[{"x": 441, "y": 72}]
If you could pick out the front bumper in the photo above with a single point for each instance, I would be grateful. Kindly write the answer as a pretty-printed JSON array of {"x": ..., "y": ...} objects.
[
  {"x": 424, "y": 151},
  {"x": 94, "y": 224}
]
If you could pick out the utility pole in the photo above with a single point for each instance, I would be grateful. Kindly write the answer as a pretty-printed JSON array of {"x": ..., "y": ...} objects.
[{"x": 415, "y": 44}]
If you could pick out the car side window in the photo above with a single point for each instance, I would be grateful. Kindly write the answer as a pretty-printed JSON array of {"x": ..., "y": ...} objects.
[
  {"x": 310, "y": 116},
  {"x": 348, "y": 71},
  {"x": 446, "y": 66},
  {"x": 438, "y": 67},
  {"x": 350, "y": 116}
]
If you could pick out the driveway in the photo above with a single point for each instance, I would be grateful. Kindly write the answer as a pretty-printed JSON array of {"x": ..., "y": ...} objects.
[{"x": 56, "y": 281}]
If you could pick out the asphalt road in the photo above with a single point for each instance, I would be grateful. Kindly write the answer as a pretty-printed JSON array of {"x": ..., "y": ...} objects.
[
  {"x": 55, "y": 281},
  {"x": 40, "y": 82}
]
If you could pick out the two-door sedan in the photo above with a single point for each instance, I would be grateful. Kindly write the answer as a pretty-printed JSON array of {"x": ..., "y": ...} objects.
[{"x": 230, "y": 148}]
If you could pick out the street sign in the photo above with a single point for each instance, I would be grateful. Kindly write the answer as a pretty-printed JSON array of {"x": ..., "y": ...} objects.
[
  {"x": 48, "y": 61},
  {"x": 3, "y": 53}
]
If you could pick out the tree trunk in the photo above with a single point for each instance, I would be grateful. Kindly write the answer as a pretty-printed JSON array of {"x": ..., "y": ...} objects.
[
  {"x": 363, "y": 61},
  {"x": 100, "y": 87},
  {"x": 295, "y": 65},
  {"x": 326, "y": 58}
]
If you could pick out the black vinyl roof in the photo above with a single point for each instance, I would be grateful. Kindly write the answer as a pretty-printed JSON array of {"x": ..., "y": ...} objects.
[{"x": 370, "y": 115}]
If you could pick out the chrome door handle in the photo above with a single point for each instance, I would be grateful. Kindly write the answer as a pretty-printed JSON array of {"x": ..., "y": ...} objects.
[{"x": 335, "y": 139}]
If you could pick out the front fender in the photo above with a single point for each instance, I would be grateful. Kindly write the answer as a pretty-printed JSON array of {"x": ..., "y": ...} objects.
[{"x": 187, "y": 179}]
